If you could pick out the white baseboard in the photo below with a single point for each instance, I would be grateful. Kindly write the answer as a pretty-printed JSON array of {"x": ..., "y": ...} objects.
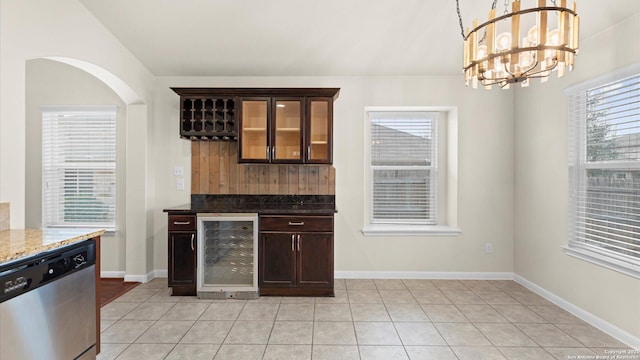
[
  {"x": 593, "y": 320},
  {"x": 423, "y": 275},
  {"x": 160, "y": 273},
  {"x": 111, "y": 274},
  {"x": 135, "y": 278}
]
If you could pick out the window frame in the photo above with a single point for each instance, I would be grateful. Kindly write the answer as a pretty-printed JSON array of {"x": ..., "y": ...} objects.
[
  {"x": 110, "y": 114},
  {"x": 432, "y": 170},
  {"x": 447, "y": 177},
  {"x": 578, "y": 165}
]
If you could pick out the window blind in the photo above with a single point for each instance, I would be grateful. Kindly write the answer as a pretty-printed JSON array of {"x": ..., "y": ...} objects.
[
  {"x": 403, "y": 167},
  {"x": 79, "y": 167},
  {"x": 604, "y": 172}
]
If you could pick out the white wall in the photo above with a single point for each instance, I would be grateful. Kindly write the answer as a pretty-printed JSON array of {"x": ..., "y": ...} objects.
[
  {"x": 485, "y": 198},
  {"x": 67, "y": 31},
  {"x": 54, "y": 83},
  {"x": 541, "y": 185}
]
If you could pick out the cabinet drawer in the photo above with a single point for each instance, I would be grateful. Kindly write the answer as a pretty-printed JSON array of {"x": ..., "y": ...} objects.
[
  {"x": 296, "y": 223},
  {"x": 182, "y": 222}
]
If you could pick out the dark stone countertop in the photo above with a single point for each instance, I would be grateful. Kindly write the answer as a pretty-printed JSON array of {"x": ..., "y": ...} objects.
[{"x": 261, "y": 204}]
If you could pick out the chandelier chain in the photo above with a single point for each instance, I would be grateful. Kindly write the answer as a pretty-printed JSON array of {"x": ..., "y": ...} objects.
[{"x": 493, "y": 6}]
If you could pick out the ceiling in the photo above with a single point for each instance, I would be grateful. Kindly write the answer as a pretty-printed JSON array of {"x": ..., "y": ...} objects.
[{"x": 305, "y": 37}]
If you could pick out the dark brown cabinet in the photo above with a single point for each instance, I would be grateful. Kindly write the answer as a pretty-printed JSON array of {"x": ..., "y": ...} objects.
[
  {"x": 295, "y": 255},
  {"x": 207, "y": 115},
  {"x": 182, "y": 254},
  {"x": 290, "y": 130}
]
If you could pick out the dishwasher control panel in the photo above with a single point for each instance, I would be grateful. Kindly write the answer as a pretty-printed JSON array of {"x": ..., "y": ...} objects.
[{"x": 30, "y": 273}]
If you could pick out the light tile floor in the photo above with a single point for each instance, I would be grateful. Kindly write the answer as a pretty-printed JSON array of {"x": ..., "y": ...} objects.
[{"x": 367, "y": 319}]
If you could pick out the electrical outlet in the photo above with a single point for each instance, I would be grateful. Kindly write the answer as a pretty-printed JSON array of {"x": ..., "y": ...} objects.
[
  {"x": 180, "y": 184},
  {"x": 489, "y": 248},
  {"x": 178, "y": 170}
]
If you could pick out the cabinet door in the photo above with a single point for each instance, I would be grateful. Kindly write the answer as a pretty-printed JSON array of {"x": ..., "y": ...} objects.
[
  {"x": 287, "y": 130},
  {"x": 318, "y": 146},
  {"x": 254, "y": 143},
  {"x": 182, "y": 258},
  {"x": 277, "y": 255},
  {"x": 314, "y": 259}
]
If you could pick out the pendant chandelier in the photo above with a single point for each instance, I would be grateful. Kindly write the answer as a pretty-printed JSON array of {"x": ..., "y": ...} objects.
[{"x": 520, "y": 44}]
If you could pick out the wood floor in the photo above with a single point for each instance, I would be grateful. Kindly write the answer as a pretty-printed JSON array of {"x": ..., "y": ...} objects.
[{"x": 111, "y": 288}]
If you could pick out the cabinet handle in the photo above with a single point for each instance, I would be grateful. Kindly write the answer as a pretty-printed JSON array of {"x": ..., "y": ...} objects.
[
  {"x": 268, "y": 153},
  {"x": 192, "y": 237},
  {"x": 273, "y": 153},
  {"x": 298, "y": 242},
  {"x": 181, "y": 222},
  {"x": 301, "y": 223},
  {"x": 292, "y": 242},
  {"x": 309, "y": 152}
]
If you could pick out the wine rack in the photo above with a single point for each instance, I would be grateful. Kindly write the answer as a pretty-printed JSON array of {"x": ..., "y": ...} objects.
[{"x": 208, "y": 118}]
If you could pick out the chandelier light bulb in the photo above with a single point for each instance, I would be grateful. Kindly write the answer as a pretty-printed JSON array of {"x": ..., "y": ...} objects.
[
  {"x": 553, "y": 37},
  {"x": 503, "y": 41},
  {"x": 482, "y": 51},
  {"x": 532, "y": 35},
  {"x": 525, "y": 60}
]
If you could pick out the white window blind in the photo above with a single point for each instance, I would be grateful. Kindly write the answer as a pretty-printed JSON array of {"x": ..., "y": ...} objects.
[
  {"x": 604, "y": 173},
  {"x": 79, "y": 167},
  {"x": 403, "y": 167}
]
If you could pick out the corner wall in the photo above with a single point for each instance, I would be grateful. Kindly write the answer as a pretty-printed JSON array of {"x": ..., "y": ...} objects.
[
  {"x": 541, "y": 187},
  {"x": 67, "y": 31}
]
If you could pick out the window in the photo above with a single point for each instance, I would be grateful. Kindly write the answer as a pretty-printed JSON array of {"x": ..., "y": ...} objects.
[
  {"x": 409, "y": 153},
  {"x": 604, "y": 173},
  {"x": 79, "y": 167},
  {"x": 403, "y": 167}
]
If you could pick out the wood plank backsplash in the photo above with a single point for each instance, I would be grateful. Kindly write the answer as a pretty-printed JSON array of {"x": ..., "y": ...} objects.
[{"x": 215, "y": 170}]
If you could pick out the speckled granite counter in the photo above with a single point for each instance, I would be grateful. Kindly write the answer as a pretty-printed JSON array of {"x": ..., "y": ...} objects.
[
  {"x": 18, "y": 244},
  {"x": 261, "y": 204}
]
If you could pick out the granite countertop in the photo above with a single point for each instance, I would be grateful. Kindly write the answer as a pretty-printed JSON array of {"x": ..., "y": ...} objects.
[
  {"x": 17, "y": 244},
  {"x": 260, "y": 204}
]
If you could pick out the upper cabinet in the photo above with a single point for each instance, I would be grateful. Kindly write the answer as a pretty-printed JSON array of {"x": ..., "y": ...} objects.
[
  {"x": 272, "y": 125},
  {"x": 207, "y": 115}
]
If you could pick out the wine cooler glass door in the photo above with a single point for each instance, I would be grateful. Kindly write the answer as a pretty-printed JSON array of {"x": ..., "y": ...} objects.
[{"x": 227, "y": 252}]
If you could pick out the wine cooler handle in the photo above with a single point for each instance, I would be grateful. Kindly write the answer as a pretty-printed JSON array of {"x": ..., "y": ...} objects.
[
  {"x": 292, "y": 242},
  {"x": 192, "y": 246},
  {"x": 298, "y": 242}
]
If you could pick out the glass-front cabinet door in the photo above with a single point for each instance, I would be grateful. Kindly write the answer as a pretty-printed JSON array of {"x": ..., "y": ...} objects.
[
  {"x": 287, "y": 130},
  {"x": 254, "y": 124},
  {"x": 319, "y": 137}
]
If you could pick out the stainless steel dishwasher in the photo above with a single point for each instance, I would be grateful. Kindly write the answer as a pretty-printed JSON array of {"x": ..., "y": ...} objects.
[{"x": 48, "y": 305}]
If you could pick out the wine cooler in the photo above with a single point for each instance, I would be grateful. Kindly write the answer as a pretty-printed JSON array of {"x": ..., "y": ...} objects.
[{"x": 227, "y": 255}]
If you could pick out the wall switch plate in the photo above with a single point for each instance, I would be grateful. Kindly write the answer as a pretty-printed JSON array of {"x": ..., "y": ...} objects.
[
  {"x": 180, "y": 184},
  {"x": 178, "y": 170},
  {"x": 489, "y": 248}
]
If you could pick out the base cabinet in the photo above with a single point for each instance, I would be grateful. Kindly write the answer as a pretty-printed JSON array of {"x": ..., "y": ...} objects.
[
  {"x": 182, "y": 255},
  {"x": 296, "y": 255}
]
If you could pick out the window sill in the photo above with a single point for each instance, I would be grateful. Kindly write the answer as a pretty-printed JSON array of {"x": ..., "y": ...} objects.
[
  {"x": 409, "y": 230},
  {"x": 604, "y": 261}
]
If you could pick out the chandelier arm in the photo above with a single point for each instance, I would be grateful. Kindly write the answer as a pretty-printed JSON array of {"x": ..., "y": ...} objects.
[{"x": 519, "y": 50}]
